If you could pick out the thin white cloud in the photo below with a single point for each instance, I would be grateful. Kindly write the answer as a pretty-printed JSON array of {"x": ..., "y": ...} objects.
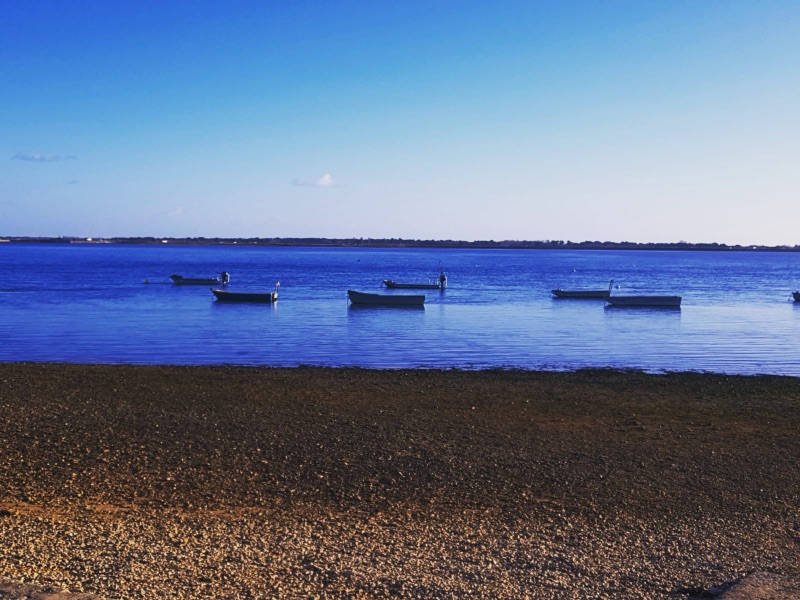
[
  {"x": 170, "y": 213},
  {"x": 324, "y": 181},
  {"x": 38, "y": 157}
]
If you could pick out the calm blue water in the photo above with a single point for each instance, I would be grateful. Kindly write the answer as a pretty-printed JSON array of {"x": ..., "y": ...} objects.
[{"x": 89, "y": 304}]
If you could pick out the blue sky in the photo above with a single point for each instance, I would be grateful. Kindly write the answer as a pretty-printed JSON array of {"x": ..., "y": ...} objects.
[{"x": 640, "y": 121}]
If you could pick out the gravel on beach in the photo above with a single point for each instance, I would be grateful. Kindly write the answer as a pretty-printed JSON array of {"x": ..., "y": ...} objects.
[{"x": 235, "y": 482}]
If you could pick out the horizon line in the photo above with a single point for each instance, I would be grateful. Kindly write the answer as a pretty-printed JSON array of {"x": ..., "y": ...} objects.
[{"x": 361, "y": 241}]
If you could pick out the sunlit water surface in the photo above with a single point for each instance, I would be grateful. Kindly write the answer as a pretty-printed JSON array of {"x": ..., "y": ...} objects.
[{"x": 89, "y": 304}]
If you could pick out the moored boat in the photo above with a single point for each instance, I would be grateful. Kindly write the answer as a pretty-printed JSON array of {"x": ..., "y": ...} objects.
[
  {"x": 582, "y": 294},
  {"x": 385, "y": 299},
  {"x": 438, "y": 283},
  {"x": 642, "y": 301},
  {"x": 645, "y": 301},
  {"x": 260, "y": 297},
  {"x": 224, "y": 278}
]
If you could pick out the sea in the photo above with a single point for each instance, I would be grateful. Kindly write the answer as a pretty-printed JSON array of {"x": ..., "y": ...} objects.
[{"x": 114, "y": 303}]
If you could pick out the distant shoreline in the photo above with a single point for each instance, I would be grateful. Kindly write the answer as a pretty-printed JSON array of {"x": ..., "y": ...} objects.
[{"x": 403, "y": 243}]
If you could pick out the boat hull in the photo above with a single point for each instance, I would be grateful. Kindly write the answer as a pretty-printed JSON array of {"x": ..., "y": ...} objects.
[
  {"x": 581, "y": 294},
  {"x": 250, "y": 297},
  {"x": 363, "y": 298},
  {"x": 180, "y": 280},
  {"x": 394, "y": 285},
  {"x": 645, "y": 301}
]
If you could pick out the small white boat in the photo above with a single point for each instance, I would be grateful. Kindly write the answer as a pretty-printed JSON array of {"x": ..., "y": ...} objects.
[
  {"x": 438, "y": 283},
  {"x": 588, "y": 294},
  {"x": 181, "y": 280},
  {"x": 580, "y": 294},
  {"x": 224, "y": 278},
  {"x": 645, "y": 301},
  {"x": 365, "y": 298},
  {"x": 260, "y": 297},
  {"x": 642, "y": 301}
]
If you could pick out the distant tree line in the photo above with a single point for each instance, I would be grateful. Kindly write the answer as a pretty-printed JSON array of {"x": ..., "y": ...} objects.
[{"x": 404, "y": 243}]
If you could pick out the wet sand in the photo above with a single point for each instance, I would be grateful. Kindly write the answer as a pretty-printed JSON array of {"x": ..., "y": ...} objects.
[{"x": 223, "y": 482}]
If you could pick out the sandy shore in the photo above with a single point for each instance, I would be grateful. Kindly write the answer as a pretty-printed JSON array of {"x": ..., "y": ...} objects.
[{"x": 176, "y": 482}]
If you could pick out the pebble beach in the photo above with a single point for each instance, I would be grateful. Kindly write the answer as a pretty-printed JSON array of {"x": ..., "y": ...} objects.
[{"x": 230, "y": 482}]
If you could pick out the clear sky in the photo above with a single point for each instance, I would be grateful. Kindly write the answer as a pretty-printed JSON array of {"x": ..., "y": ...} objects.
[{"x": 594, "y": 120}]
